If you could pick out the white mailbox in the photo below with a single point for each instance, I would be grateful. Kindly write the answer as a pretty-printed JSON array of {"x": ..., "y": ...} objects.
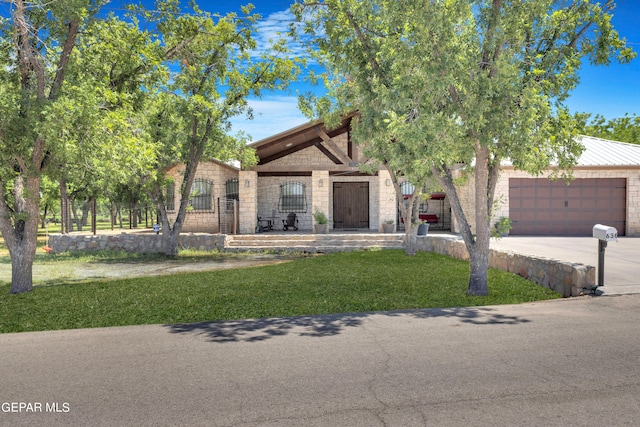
[{"x": 605, "y": 233}]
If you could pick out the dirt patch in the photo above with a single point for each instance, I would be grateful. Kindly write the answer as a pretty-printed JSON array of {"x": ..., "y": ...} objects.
[{"x": 52, "y": 273}]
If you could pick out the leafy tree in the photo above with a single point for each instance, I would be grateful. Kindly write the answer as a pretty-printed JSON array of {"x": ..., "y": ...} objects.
[
  {"x": 36, "y": 46},
  {"x": 625, "y": 129},
  {"x": 214, "y": 68},
  {"x": 70, "y": 109},
  {"x": 101, "y": 143},
  {"x": 455, "y": 86}
]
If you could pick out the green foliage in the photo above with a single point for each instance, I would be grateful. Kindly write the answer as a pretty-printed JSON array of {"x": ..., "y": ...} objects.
[
  {"x": 336, "y": 283},
  {"x": 501, "y": 227},
  {"x": 625, "y": 129},
  {"x": 213, "y": 68},
  {"x": 443, "y": 85},
  {"x": 319, "y": 216}
]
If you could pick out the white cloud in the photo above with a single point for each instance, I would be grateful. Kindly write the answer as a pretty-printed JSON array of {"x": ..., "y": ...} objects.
[
  {"x": 272, "y": 115},
  {"x": 275, "y": 27}
]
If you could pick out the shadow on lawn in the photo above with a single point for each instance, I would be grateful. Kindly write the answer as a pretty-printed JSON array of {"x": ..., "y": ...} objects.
[{"x": 253, "y": 330}]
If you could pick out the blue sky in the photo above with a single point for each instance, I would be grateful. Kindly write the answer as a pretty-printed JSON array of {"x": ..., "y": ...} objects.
[{"x": 609, "y": 91}]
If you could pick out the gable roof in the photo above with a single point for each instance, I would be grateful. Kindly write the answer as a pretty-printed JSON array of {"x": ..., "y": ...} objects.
[
  {"x": 207, "y": 160},
  {"x": 296, "y": 139},
  {"x": 604, "y": 152}
]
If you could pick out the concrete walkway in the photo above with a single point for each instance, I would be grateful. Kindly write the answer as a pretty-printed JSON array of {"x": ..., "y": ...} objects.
[{"x": 622, "y": 258}]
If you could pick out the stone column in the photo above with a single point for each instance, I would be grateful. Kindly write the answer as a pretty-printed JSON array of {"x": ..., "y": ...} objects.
[
  {"x": 248, "y": 194},
  {"x": 387, "y": 199},
  {"x": 320, "y": 186}
]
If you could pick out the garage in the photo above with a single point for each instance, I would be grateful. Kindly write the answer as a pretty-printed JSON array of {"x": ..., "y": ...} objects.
[{"x": 541, "y": 207}]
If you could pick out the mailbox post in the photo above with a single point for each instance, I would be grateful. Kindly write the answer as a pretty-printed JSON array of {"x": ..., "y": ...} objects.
[{"x": 604, "y": 234}]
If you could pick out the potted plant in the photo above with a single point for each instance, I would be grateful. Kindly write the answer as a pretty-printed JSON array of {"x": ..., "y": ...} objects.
[
  {"x": 502, "y": 227},
  {"x": 388, "y": 226},
  {"x": 423, "y": 228},
  {"x": 321, "y": 219}
]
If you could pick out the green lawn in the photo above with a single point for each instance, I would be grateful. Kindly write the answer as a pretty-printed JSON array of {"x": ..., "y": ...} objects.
[{"x": 336, "y": 283}]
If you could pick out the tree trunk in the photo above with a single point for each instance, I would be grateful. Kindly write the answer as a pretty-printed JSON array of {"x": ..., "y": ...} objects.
[
  {"x": 75, "y": 220},
  {"x": 170, "y": 242},
  {"x": 23, "y": 252},
  {"x": 477, "y": 244},
  {"x": 479, "y": 264},
  {"x": 43, "y": 224},
  {"x": 478, "y": 271},
  {"x": 65, "y": 220},
  {"x": 86, "y": 206},
  {"x": 20, "y": 231},
  {"x": 410, "y": 239}
]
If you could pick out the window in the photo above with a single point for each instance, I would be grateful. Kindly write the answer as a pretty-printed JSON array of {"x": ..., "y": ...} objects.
[
  {"x": 407, "y": 191},
  {"x": 292, "y": 197},
  {"x": 232, "y": 188},
  {"x": 200, "y": 199},
  {"x": 170, "y": 196}
]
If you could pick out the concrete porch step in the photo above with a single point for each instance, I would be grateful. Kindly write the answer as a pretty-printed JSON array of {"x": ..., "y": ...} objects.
[{"x": 307, "y": 242}]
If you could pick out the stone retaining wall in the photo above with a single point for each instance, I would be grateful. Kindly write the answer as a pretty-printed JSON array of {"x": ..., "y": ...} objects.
[
  {"x": 566, "y": 278},
  {"x": 133, "y": 242}
]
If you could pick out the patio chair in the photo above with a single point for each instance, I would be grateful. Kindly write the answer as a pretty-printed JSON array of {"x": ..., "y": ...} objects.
[
  {"x": 291, "y": 221},
  {"x": 264, "y": 225}
]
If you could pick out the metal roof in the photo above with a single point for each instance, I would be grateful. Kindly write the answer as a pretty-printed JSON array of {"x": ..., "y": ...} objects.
[{"x": 604, "y": 152}]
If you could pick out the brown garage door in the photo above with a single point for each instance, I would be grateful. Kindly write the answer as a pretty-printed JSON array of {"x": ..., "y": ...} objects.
[
  {"x": 541, "y": 207},
  {"x": 351, "y": 205}
]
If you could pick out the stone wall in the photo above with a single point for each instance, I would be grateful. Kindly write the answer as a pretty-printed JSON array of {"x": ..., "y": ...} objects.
[
  {"x": 132, "y": 242},
  {"x": 568, "y": 279},
  {"x": 204, "y": 221}
]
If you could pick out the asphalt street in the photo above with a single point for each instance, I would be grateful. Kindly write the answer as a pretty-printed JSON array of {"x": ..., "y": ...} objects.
[{"x": 571, "y": 362}]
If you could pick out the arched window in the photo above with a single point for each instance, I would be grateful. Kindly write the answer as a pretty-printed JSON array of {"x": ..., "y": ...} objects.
[
  {"x": 201, "y": 196},
  {"x": 407, "y": 189},
  {"x": 292, "y": 197}
]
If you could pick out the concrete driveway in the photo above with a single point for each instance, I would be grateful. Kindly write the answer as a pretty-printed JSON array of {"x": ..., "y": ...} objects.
[{"x": 622, "y": 258}]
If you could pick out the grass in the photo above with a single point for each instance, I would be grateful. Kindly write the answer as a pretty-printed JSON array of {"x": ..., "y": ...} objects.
[{"x": 335, "y": 283}]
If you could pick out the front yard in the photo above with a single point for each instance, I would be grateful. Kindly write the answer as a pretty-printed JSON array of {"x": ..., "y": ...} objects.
[{"x": 336, "y": 283}]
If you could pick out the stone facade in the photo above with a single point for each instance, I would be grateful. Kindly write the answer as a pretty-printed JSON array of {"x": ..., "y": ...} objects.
[
  {"x": 318, "y": 184},
  {"x": 502, "y": 193},
  {"x": 387, "y": 209},
  {"x": 248, "y": 181},
  {"x": 220, "y": 216}
]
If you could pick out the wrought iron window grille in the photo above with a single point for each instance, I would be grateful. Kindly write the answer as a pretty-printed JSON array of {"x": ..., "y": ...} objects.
[{"x": 292, "y": 197}]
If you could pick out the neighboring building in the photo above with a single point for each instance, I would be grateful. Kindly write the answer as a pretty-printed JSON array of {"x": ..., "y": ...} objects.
[{"x": 310, "y": 167}]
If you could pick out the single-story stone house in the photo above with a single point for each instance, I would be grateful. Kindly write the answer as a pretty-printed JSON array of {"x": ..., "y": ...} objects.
[
  {"x": 311, "y": 167},
  {"x": 214, "y": 190}
]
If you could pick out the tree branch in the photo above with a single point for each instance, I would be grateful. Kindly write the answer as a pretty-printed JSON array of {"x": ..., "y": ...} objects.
[{"x": 65, "y": 55}]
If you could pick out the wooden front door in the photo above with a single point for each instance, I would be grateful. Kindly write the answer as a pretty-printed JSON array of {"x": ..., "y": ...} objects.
[{"x": 350, "y": 205}]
